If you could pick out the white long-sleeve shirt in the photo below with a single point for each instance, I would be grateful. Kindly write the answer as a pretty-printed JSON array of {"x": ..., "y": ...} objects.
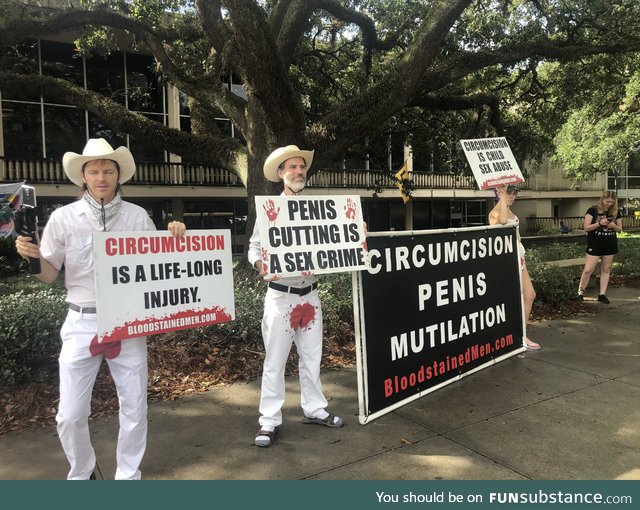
[{"x": 67, "y": 240}]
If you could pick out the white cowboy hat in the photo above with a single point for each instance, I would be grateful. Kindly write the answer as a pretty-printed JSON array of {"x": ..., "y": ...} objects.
[
  {"x": 98, "y": 148},
  {"x": 280, "y": 155}
]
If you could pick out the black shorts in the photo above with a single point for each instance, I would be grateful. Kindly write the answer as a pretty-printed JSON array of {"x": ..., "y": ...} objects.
[{"x": 606, "y": 246}]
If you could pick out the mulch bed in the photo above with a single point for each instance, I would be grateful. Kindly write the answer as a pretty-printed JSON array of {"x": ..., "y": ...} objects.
[
  {"x": 183, "y": 366},
  {"x": 178, "y": 367}
]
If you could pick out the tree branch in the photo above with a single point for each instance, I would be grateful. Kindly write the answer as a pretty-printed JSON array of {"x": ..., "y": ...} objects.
[
  {"x": 276, "y": 16},
  {"x": 267, "y": 80},
  {"x": 212, "y": 23},
  {"x": 71, "y": 20},
  {"x": 468, "y": 62},
  {"x": 232, "y": 105},
  {"x": 292, "y": 27},
  {"x": 470, "y": 102},
  {"x": 367, "y": 27},
  {"x": 381, "y": 101},
  {"x": 223, "y": 152}
]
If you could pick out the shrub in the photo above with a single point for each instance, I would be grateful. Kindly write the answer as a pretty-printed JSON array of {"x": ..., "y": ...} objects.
[
  {"x": 627, "y": 262},
  {"x": 31, "y": 317},
  {"x": 556, "y": 251},
  {"x": 11, "y": 263},
  {"x": 554, "y": 285},
  {"x": 33, "y": 313},
  {"x": 335, "y": 292},
  {"x": 547, "y": 232},
  {"x": 249, "y": 292},
  {"x": 29, "y": 327}
]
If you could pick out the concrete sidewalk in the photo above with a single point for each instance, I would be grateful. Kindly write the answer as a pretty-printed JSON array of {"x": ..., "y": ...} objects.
[{"x": 569, "y": 411}]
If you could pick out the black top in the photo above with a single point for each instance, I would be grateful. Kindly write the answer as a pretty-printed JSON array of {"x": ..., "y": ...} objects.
[{"x": 601, "y": 233}]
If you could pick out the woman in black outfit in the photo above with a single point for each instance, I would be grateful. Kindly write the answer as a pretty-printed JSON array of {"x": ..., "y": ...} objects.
[{"x": 602, "y": 223}]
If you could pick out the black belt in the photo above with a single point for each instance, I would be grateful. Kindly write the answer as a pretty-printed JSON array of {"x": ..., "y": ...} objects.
[
  {"x": 82, "y": 309},
  {"x": 301, "y": 291}
]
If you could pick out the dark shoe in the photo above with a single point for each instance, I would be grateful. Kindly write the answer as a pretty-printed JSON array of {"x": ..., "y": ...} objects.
[
  {"x": 579, "y": 297},
  {"x": 332, "y": 421},
  {"x": 603, "y": 299},
  {"x": 265, "y": 438}
]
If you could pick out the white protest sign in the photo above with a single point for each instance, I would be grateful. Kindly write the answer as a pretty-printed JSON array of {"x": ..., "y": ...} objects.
[
  {"x": 492, "y": 162},
  {"x": 300, "y": 236},
  {"x": 151, "y": 282}
]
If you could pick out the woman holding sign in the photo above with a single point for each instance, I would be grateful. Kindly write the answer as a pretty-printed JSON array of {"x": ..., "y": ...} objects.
[
  {"x": 501, "y": 215},
  {"x": 67, "y": 241}
]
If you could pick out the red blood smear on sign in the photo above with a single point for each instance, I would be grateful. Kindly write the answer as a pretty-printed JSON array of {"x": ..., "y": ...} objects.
[{"x": 217, "y": 313}]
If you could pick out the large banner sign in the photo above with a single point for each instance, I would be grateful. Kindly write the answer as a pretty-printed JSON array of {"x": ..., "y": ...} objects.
[
  {"x": 492, "y": 162},
  {"x": 434, "y": 307},
  {"x": 151, "y": 282},
  {"x": 311, "y": 234}
]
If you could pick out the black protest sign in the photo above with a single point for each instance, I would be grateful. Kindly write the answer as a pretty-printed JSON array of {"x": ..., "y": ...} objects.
[{"x": 433, "y": 307}]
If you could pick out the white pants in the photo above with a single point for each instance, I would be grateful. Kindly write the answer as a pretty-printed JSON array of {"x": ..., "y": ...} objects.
[
  {"x": 291, "y": 318},
  {"x": 79, "y": 362}
]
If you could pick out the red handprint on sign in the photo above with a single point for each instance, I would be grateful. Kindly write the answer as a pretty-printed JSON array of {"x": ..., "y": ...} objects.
[
  {"x": 270, "y": 210},
  {"x": 350, "y": 209}
]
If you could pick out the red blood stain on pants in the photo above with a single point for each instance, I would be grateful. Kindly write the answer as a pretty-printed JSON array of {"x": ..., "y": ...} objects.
[
  {"x": 110, "y": 349},
  {"x": 302, "y": 315}
]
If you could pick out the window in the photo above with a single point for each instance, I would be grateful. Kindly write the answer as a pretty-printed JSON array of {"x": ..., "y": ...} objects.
[
  {"x": 22, "y": 128},
  {"x": 61, "y": 61},
  {"x": 64, "y": 130},
  {"x": 219, "y": 214},
  {"x": 145, "y": 89},
  {"x": 106, "y": 76},
  {"x": 99, "y": 130},
  {"x": 20, "y": 59}
]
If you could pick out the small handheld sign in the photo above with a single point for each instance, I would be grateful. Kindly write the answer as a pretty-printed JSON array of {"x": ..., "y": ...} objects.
[
  {"x": 492, "y": 162},
  {"x": 151, "y": 282},
  {"x": 301, "y": 236}
]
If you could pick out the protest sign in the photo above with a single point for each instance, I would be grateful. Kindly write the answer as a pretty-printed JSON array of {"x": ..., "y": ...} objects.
[
  {"x": 311, "y": 235},
  {"x": 151, "y": 282},
  {"x": 492, "y": 162},
  {"x": 10, "y": 202},
  {"x": 434, "y": 307}
]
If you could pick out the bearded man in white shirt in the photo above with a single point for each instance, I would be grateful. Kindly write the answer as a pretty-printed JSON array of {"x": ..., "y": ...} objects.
[
  {"x": 292, "y": 313},
  {"x": 67, "y": 241}
]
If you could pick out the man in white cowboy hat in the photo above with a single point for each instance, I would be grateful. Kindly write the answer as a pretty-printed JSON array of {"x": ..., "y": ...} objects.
[
  {"x": 67, "y": 240},
  {"x": 290, "y": 165}
]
